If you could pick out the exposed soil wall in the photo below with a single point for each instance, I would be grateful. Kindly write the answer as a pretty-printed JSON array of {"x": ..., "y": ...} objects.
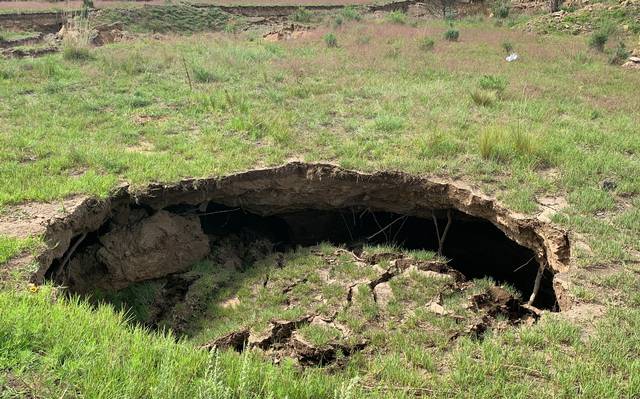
[{"x": 45, "y": 22}]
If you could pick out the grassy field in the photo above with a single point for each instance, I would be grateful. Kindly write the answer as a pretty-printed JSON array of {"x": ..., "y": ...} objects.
[{"x": 546, "y": 129}]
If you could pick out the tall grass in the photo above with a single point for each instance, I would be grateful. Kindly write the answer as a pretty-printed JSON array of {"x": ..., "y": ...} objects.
[{"x": 76, "y": 43}]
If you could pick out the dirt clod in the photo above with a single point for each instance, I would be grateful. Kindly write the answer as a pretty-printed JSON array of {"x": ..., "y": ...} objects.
[{"x": 236, "y": 340}]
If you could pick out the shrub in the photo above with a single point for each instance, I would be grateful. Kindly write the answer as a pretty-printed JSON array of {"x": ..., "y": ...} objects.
[
  {"x": 426, "y": 43},
  {"x": 508, "y": 47},
  {"x": 397, "y": 17},
  {"x": 331, "y": 40},
  {"x": 484, "y": 98},
  {"x": 337, "y": 22},
  {"x": 452, "y": 35},
  {"x": 598, "y": 39},
  {"x": 501, "y": 9},
  {"x": 619, "y": 54},
  {"x": 350, "y": 13},
  {"x": 302, "y": 15},
  {"x": 496, "y": 83}
]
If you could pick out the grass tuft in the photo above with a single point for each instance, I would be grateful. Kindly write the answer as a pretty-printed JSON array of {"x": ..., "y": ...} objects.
[
  {"x": 484, "y": 98},
  {"x": 397, "y": 17},
  {"x": 452, "y": 35},
  {"x": 426, "y": 43}
]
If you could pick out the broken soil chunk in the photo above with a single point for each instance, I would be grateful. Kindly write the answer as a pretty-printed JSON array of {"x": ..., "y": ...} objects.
[
  {"x": 160, "y": 245},
  {"x": 236, "y": 340}
]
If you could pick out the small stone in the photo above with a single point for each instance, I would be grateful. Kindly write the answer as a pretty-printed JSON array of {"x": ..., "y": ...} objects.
[{"x": 608, "y": 185}]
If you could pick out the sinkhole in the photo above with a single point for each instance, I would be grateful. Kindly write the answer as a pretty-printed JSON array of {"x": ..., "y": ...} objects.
[{"x": 160, "y": 232}]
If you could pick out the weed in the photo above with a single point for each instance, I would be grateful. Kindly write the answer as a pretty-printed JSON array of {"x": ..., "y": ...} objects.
[
  {"x": 350, "y": 13},
  {"x": 397, "y": 17},
  {"x": 619, "y": 54},
  {"x": 452, "y": 35},
  {"x": 492, "y": 145},
  {"x": 330, "y": 40},
  {"x": 426, "y": 43},
  {"x": 484, "y": 98},
  {"x": 363, "y": 40},
  {"x": 6, "y": 73},
  {"x": 508, "y": 47},
  {"x": 76, "y": 53},
  {"x": 76, "y": 42},
  {"x": 202, "y": 75},
  {"x": 389, "y": 124},
  {"x": 501, "y": 9},
  {"x": 495, "y": 83},
  {"x": 302, "y": 15},
  {"x": 598, "y": 39},
  {"x": 523, "y": 143}
]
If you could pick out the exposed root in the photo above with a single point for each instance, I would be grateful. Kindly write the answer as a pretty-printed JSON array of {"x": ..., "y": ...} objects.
[{"x": 536, "y": 284}]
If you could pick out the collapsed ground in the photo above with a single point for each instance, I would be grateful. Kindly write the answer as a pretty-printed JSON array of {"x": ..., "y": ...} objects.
[
  {"x": 552, "y": 135},
  {"x": 285, "y": 269}
]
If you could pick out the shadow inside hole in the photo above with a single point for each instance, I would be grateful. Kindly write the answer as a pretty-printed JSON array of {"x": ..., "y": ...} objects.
[{"x": 474, "y": 246}]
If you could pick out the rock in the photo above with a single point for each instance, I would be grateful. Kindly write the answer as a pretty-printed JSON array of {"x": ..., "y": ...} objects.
[
  {"x": 383, "y": 294},
  {"x": 608, "y": 185},
  {"x": 155, "y": 247}
]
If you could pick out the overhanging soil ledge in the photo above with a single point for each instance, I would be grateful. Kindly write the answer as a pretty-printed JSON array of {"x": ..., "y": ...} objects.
[{"x": 306, "y": 203}]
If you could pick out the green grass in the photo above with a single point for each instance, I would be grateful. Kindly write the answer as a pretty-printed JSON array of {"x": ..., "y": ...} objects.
[
  {"x": 166, "y": 18},
  {"x": 6, "y": 35},
  {"x": 11, "y": 247},
  {"x": 565, "y": 121},
  {"x": 101, "y": 355}
]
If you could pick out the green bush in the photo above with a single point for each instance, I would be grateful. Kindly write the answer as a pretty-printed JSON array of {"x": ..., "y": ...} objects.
[
  {"x": 495, "y": 83},
  {"x": 337, "y": 22},
  {"x": 331, "y": 40},
  {"x": 397, "y": 17},
  {"x": 598, "y": 39},
  {"x": 302, "y": 15},
  {"x": 452, "y": 35},
  {"x": 508, "y": 47},
  {"x": 619, "y": 54},
  {"x": 426, "y": 43}
]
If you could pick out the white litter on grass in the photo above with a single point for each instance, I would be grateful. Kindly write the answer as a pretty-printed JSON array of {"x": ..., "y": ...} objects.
[{"x": 512, "y": 57}]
